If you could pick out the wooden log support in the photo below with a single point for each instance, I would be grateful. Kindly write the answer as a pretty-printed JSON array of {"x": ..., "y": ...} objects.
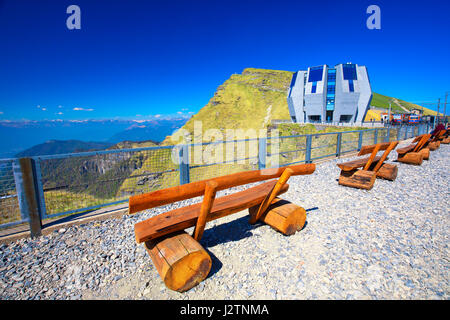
[
  {"x": 434, "y": 145},
  {"x": 283, "y": 216},
  {"x": 414, "y": 158},
  {"x": 208, "y": 199},
  {"x": 181, "y": 261},
  {"x": 446, "y": 140},
  {"x": 413, "y": 154},
  {"x": 388, "y": 172},
  {"x": 425, "y": 152},
  {"x": 361, "y": 179},
  {"x": 271, "y": 195}
]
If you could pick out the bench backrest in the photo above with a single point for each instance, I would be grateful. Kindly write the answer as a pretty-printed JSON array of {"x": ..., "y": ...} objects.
[
  {"x": 369, "y": 149},
  {"x": 421, "y": 142},
  {"x": 439, "y": 135},
  {"x": 373, "y": 150},
  {"x": 417, "y": 139},
  {"x": 195, "y": 189}
]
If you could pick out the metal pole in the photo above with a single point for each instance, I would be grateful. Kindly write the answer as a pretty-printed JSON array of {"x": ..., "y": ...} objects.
[
  {"x": 445, "y": 107},
  {"x": 308, "y": 148},
  {"x": 262, "y": 153},
  {"x": 338, "y": 144},
  {"x": 29, "y": 196},
  {"x": 389, "y": 116},
  {"x": 184, "y": 164},
  {"x": 360, "y": 139}
]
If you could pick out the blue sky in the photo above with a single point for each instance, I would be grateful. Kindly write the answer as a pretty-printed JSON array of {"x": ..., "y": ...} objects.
[{"x": 138, "y": 59}]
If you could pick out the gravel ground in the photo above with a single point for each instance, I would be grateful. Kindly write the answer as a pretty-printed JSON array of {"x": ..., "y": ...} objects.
[{"x": 387, "y": 243}]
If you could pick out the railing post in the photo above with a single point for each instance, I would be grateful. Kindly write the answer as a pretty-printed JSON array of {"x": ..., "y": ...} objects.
[
  {"x": 388, "y": 135},
  {"x": 262, "y": 153},
  {"x": 184, "y": 164},
  {"x": 27, "y": 186},
  {"x": 308, "y": 148},
  {"x": 360, "y": 140},
  {"x": 399, "y": 131},
  {"x": 375, "y": 137},
  {"x": 406, "y": 133},
  {"x": 338, "y": 144}
]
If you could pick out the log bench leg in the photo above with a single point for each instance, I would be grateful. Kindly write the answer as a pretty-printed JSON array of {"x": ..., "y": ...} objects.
[
  {"x": 425, "y": 152},
  {"x": 181, "y": 261},
  {"x": 414, "y": 158},
  {"x": 361, "y": 179},
  {"x": 434, "y": 145},
  {"x": 388, "y": 171},
  {"x": 283, "y": 216}
]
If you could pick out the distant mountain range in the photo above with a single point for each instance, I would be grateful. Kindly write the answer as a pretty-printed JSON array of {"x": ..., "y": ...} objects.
[
  {"x": 63, "y": 146},
  {"x": 18, "y": 136}
]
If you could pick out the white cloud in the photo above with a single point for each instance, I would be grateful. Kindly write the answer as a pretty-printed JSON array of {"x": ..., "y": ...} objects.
[
  {"x": 59, "y": 113},
  {"x": 179, "y": 112},
  {"x": 44, "y": 109},
  {"x": 1, "y": 112},
  {"x": 59, "y": 107},
  {"x": 38, "y": 106},
  {"x": 82, "y": 109},
  {"x": 157, "y": 116}
]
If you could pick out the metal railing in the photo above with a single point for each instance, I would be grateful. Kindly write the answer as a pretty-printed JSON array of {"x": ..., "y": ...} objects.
[{"x": 57, "y": 185}]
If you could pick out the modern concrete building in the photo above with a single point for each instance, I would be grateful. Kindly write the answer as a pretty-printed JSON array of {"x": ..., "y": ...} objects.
[{"x": 323, "y": 94}]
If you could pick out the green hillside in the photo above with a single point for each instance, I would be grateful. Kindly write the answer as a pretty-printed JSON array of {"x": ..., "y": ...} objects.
[
  {"x": 248, "y": 100},
  {"x": 397, "y": 105}
]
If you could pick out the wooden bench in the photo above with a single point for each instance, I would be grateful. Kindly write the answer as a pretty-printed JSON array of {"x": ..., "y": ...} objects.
[
  {"x": 373, "y": 167},
  {"x": 435, "y": 141},
  {"x": 179, "y": 258},
  {"x": 445, "y": 139},
  {"x": 415, "y": 153}
]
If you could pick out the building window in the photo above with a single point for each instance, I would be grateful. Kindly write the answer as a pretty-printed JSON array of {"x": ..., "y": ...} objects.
[
  {"x": 345, "y": 118},
  {"x": 331, "y": 90},
  {"x": 314, "y": 118},
  {"x": 350, "y": 86},
  {"x": 294, "y": 78},
  {"x": 329, "y": 116},
  {"x": 315, "y": 74},
  {"x": 314, "y": 87},
  {"x": 349, "y": 71}
]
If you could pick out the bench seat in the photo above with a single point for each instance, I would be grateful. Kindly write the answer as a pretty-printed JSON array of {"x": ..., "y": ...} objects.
[
  {"x": 186, "y": 217},
  {"x": 355, "y": 164},
  {"x": 406, "y": 149}
]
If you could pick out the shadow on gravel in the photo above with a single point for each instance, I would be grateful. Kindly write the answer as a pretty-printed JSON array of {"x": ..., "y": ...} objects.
[
  {"x": 216, "y": 264},
  {"x": 231, "y": 231}
]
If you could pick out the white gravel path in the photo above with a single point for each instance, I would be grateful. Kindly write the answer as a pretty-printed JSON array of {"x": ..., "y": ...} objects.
[{"x": 387, "y": 243}]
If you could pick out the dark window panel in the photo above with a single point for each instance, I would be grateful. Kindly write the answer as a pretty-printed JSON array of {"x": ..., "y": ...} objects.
[
  {"x": 349, "y": 71},
  {"x": 315, "y": 74}
]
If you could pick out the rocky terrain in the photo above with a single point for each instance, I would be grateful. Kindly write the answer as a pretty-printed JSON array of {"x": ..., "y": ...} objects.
[{"x": 387, "y": 243}]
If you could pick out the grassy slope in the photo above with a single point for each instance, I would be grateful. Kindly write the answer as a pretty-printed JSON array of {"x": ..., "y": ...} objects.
[
  {"x": 248, "y": 100},
  {"x": 381, "y": 101}
]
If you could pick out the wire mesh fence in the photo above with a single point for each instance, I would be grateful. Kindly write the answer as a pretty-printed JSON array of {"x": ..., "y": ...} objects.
[
  {"x": 323, "y": 145},
  {"x": 9, "y": 204},
  {"x": 283, "y": 151},
  {"x": 209, "y": 160},
  {"x": 349, "y": 141},
  {"x": 81, "y": 182},
  {"x": 85, "y": 181}
]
